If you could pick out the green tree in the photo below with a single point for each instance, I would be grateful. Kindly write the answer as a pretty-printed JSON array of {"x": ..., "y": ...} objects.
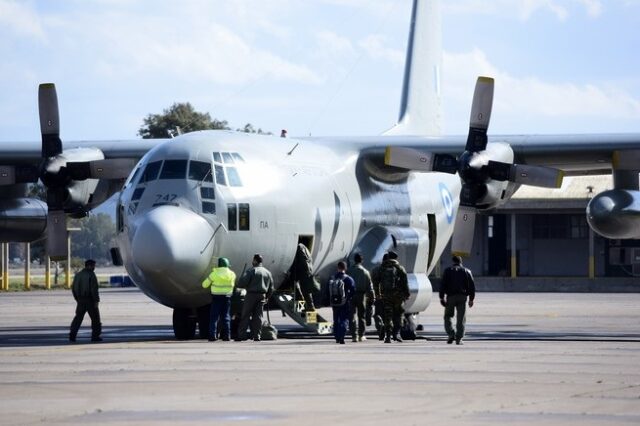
[
  {"x": 94, "y": 238},
  {"x": 179, "y": 117},
  {"x": 248, "y": 128}
]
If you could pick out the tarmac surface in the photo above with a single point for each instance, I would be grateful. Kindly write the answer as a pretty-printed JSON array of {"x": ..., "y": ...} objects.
[{"x": 529, "y": 358}]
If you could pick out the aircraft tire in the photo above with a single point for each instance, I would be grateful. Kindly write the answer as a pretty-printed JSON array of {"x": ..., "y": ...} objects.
[
  {"x": 203, "y": 314},
  {"x": 184, "y": 325}
]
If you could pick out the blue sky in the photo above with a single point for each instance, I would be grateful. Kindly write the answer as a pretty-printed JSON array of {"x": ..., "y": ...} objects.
[{"x": 326, "y": 67}]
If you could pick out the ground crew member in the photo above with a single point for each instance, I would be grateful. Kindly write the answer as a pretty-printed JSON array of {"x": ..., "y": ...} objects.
[
  {"x": 379, "y": 308},
  {"x": 85, "y": 292},
  {"x": 457, "y": 284},
  {"x": 363, "y": 293},
  {"x": 259, "y": 285},
  {"x": 302, "y": 275},
  {"x": 342, "y": 312},
  {"x": 221, "y": 280},
  {"x": 394, "y": 290}
]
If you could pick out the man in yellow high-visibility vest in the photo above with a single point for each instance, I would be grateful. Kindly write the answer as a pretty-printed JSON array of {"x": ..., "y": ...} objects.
[{"x": 221, "y": 280}]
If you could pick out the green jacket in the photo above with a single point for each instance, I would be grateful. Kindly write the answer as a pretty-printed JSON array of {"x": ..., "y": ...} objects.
[
  {"x": 257, "y": 280},
  {"x": 362, "y": 279},
  {"x": 85, "y": 285},
  {"x": 221, "y": 281}
]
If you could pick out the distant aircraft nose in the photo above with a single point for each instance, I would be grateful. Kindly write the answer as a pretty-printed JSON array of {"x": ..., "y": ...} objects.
[{"x": 172, "y": 248}]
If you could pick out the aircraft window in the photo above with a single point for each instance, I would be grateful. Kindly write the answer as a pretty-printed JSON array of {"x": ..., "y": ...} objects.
[
  {"x": 232, "y": 212},
  {"x": 151, "y": 171},
  {"x": 227, "y": 158},
  {"x": 200, "y": 171},
  {"x": 207, "y": 193},
  {"x": 234, "y": 177},
  {"x": 244, "y": 216},
  {"x": 208, "y": 207},
  {"x": 220, "y": 179},
  {"x": 137, "y": 194},
  {"x": 216, "y": 157},
  {"x": 174, "y": 169},
  {"x": 119, "y": 218},
  {"x": 237, "y": 157},
  {"x": 136, "y": 173}
]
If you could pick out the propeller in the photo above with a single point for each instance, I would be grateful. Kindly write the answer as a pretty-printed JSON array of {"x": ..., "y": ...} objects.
[{"x": 474, "y": 167}]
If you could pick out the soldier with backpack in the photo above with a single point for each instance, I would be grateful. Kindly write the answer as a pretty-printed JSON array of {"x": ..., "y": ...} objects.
[
  {"x": 341, "y": 289},
  {"x": 394, "y": 290},
  {"x": 457, "y": 285},
  {"x": 363, "y": 294}
]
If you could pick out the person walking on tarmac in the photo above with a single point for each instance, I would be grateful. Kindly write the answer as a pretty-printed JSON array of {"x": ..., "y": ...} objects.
[
  {"x": 377, "y": 304},
  {"x": 221, "y": 280},
  {"x": 341, "y": 289},
  {"x": 259, "y": 285},
  {"x": 394, "y": 290},
  {"x": 85, "y": 292},
  {"x": 359, "y": 302},
  {"x": 457, "y": 284}
]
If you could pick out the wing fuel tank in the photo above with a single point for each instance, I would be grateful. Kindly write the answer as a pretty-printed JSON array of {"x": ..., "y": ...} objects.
[{"x": 615, "y": 214}]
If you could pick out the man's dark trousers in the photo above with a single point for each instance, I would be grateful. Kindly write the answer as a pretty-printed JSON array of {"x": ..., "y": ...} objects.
[
  {"x": 220, "y": 310},
  {"x": 83, "y": 306}
]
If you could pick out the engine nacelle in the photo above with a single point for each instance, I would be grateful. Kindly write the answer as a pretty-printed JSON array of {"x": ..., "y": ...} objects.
[
  {"x": 615, "y": 214},
  {"x": 22, "y": 219},
  {"x": 497, "y": 191}
]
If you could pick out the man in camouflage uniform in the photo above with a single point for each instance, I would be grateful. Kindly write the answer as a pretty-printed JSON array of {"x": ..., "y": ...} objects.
[
  {"x": 363, "y": 293},
  {"x": 379, "y": 307},
  {"x": 394, "y": 290},
  {"x": 302, "y": 275}
]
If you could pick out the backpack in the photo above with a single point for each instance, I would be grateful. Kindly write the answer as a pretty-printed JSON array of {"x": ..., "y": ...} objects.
[
  {"x": 337, "y": 296},
  {"x": 388, "y": 279}
]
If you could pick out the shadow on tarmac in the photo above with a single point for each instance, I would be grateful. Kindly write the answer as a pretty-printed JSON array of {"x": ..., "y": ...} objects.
[{"x": 56, "y": 335}]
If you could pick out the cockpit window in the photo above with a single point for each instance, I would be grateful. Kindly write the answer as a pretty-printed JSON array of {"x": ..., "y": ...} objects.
[
  {"x": 200, "y": 171},
  {"x": 136, "y": 173},
  {"x": 151, "y": 171},
  {"x": 220, "y": 179},
  {"x": 174, "y": 169},
  {"x": 227, "y": 158},
  {"x": 234, "y": 177},
  {"x": 137, "y": 193},
  {"x": 216, "y": 157},
  {"x": 237, "y": 157}
]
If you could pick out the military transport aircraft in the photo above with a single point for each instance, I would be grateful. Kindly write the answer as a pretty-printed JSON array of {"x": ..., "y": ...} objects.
[{"x": 198, "y": 196}]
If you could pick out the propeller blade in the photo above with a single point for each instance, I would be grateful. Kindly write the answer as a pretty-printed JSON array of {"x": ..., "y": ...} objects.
[
  {"x": 112, "y": 168},
  {"x": 408, "y": 158},
  {"x": 10, "y": 175},
  {"x": 49, "y": 120},
  {"x": 546, "y": 177},
  {"x": 57, "y": 235},
  {"x": 463, "y": 231},
  {"x": 480, "y": 114}
]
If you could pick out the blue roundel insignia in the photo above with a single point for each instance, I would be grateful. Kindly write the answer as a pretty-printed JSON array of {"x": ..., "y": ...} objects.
[{"x": 447, "y": 201}]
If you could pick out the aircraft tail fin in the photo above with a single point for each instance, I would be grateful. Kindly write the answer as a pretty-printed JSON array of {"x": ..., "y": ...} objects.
[{"x": 420, "y": 106}]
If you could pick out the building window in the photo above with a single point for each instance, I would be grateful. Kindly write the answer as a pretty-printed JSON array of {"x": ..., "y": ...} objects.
[
  {"x": 232, "y": 212},
  {"x": 244, "y": 216},
  {"x": 557, "y": 227},
  {"x": 174, "y": 169}
]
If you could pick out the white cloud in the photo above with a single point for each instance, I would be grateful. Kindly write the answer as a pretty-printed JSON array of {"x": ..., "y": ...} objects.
[
  {"x": 530, "y": 99},
  {"x": 523, "y": 9},
  {"x": 21, "y": 19},
  {"x": 374, "y": 46}
]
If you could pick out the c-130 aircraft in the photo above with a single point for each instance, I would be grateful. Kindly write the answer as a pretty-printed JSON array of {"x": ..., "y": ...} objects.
[{"x": 188, "y": 200}]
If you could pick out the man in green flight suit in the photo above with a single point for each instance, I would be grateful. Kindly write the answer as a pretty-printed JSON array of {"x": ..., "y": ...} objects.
[
  {"x": 259, "y": 285},
  {"x": 85, "y": 292},
  {"x": 394, "y": 290},
  {"x": 361, "y": 298}
]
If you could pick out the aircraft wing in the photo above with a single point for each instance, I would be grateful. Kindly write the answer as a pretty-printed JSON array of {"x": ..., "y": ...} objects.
[
  {"x": 575, "y": 154},
  {"x": 31, "y": 151}
]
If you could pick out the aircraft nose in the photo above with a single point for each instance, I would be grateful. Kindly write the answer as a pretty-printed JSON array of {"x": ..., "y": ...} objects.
[{"x": 173, "y": 244}]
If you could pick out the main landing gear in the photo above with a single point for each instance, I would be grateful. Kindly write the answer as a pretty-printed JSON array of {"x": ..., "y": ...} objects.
[{"x": 186, "y": 319}]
